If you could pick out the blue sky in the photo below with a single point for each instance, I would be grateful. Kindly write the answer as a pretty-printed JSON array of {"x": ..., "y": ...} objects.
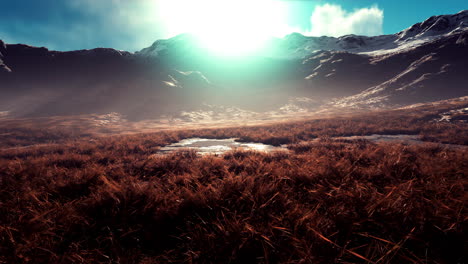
[{"x": 135, "y": 24}]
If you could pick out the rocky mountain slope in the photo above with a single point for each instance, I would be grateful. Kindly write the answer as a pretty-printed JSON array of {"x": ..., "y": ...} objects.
[{"x": 426, "y": 62}]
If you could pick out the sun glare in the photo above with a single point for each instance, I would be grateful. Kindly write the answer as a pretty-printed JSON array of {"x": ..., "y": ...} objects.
[{"x": 226, "y": 27}]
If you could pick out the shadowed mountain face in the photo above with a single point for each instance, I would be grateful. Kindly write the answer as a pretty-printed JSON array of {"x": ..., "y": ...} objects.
[
  {"x": 426, "y": 62},
  {"x": 43, "y": 82},
  {"x": 433, "y": 71}
]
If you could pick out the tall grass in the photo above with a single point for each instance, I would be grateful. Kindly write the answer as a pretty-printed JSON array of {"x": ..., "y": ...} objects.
[{"x": 113, "y": 201}]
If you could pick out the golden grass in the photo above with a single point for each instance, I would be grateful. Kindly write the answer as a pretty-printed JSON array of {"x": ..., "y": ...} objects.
[{"x": 110, "y": 200}]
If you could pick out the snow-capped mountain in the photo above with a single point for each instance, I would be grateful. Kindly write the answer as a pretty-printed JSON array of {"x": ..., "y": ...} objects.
[
  {"x": 426, "y": 62},
  {"x": 297, "y": 46},
  {"x": 434, "y": 28},
  {"x": 434, "y": 71}
]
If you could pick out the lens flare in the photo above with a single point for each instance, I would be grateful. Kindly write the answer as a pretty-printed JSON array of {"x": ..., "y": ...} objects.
[{"x": 229, "y": 28}]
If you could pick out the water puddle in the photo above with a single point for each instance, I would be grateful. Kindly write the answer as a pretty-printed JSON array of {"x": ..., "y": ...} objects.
[
  {"x": 407, "y": 139},
  {"x": 205, "y": 146},
  {"x": 413, "y": 139}
]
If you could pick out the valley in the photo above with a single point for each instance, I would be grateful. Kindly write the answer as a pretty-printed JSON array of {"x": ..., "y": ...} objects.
[{"x": 313, "y": 149}]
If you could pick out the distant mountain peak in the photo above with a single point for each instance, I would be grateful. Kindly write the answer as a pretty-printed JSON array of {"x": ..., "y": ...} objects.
[
  {"x": 162, "y": 45},
  {"x": 436, "y": 25},
  {"x": 299, "y": 46}
]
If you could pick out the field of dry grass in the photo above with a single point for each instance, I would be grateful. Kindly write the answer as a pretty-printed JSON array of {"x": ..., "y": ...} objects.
[
  {"x": 111, "y": 200},
  {"x": 414, "y": 121}
]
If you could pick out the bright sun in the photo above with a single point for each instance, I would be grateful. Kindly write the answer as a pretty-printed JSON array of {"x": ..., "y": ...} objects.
[{"x": 227, "y": 27}]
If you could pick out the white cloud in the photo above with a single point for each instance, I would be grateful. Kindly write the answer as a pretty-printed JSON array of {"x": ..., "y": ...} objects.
[
  {"x": 128, "y": 25},
  {"x": 135, "y": 24},
  {"x": 333, "y": 20}
]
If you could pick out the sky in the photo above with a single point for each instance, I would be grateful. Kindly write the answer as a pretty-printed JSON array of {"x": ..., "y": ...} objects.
[{"x": 135, "y": 24}]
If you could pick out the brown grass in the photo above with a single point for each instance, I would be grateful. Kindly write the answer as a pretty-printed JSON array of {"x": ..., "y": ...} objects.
[
  {"x": 414, "y": 121},
  {"x": 111, "y": 200}
]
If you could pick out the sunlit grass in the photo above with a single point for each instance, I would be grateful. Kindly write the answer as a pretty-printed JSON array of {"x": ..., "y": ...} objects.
[{"x": 111, "y": 199}]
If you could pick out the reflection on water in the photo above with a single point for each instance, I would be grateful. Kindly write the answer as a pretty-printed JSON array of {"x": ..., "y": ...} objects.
[
  {"x": 387, "y": 138},
  {"x": 205, "y": 146},
  {"x": 407, "y": 139},
  {"x": 218, "y": 146}
]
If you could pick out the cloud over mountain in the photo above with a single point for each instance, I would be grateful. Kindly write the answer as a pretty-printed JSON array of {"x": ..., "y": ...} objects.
[{"x": 333, "y": 20}]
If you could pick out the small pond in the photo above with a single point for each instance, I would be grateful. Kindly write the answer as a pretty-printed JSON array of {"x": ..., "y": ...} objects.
[
  {"x": 205, "y": 146},
  {"x": 406, "y": 139},
  {"x": 411, "y": 139}
]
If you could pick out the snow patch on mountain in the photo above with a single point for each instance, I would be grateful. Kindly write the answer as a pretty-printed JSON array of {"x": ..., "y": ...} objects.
[
  {"x": 298, "y": 46},
  {"x": 211, "y": 112},
  {"x": 178, "y": 43},
  {"x": 4, "y": 114},
  {"x": 3, "y": 66},
  {"x": 456, "y": 115}
]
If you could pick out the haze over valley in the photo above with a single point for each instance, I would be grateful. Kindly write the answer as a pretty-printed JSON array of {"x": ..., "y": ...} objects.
[
  {"x": 260, "y": 131},
  {"x": 177, "y": 78}
]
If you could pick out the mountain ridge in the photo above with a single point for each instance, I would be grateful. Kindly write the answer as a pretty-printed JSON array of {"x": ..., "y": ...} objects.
[
  {"x": 445, "y": 23},
  {"x": 172, "y": 76},
  {"x": 298, "y": 46}
]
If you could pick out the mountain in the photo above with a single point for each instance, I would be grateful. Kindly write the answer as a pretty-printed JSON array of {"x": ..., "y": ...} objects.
[
  {"x": 434, "y": 71},
  {"x": 3, "y": 67},
  {"x": 298, "y": 46},
  {"x": 45, "y": 83},
  {"x": 423, "y": 63},
  {"x": 436, "y": 27}
]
